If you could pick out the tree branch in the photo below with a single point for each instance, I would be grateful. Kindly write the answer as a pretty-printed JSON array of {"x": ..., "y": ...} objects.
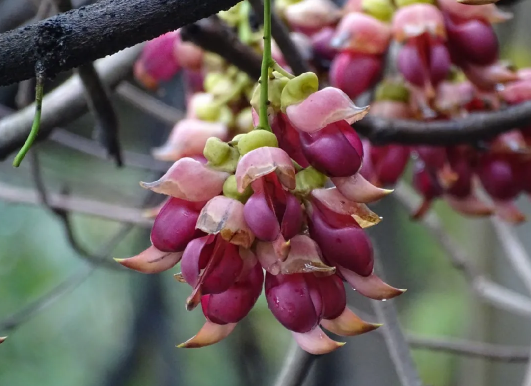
[
  {"x": 83, "y": 35},
  {"x": 296, "y": 367}
]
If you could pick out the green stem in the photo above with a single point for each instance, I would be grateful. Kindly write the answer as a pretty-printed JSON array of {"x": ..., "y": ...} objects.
[
  {"x": 39, "y": 91},
  {"x": 278, "y": 68},
  {"x": 267, "y": 62}
]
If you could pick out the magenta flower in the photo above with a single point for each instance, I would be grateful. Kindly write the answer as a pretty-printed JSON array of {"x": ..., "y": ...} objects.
[{"x": 354, "y": 73}]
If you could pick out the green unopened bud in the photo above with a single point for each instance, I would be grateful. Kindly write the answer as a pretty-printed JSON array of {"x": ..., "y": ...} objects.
[
  {"x": 298, "y": 89},
  {"x": 220, "y": 155},
  {"x": 380, "y": 9},
  {"x": 405, "y": 3},
  {"x": 307, "y": 180},
  {"x": 230, "y": 190},
  {"x": 244, "y": 120},
  {"x": 226, "y": 116},
  {"x": 208, "y": 111},
  {"x": 217, "y": 83},
  {"x": 391, "y": 90},
  {"x": 256, "y": 139},
  {"x": 276, "y": 87}
]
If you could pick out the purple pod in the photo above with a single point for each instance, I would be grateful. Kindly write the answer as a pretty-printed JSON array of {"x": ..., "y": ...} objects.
[
  {"x": 434, "y": 157},
  {"x": 333, "y": 294},
  {"x": 347, "y": 246},
  {"x": 336, "y": 150},
  {"x": 499, "y": 178},
  {"x": 389, "y": 162},
  {"x": 292, "y": 217},
  {"x": 234, "y": 304},
  {"x": 289, "y": 297},
  {"x": 355, "y": 73},
  {"x": 261, "y": 217},
  {"x": 219, "y": 260},
  {"x": 424, "y": 64},
  {"x": 472, "y": 41},
  {"x": 174, "y": 226}
]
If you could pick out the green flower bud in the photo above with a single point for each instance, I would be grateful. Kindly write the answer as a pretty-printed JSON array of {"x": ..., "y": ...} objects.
[
  {"x": 220, "y": 155},
  {"x": 298, "y": 89},
  {"x": 392, "y": 90},
  {"x": 208, "y": 111},
  {"x": 230, "y": 190},
  {"x": 256, "y": 139},
  {"x": 380, "y": 9},
  {"x": 307, "y": 180},
  {"x": 405, "y": 3},
  {"x": 226, "y": 116},
  {"x": 217, "y": 83},
  {"x": 244, "y": 120}
]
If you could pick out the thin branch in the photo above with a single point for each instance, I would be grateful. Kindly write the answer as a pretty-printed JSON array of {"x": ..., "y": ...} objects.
[
  {"x": 75, "y": 204},
  {"x": 83, "y": 35},
  {"x": 297, "y": 365},
  {"x": 494, "y": 352},
  {"x": 280, "y": 33},
  {"x": 495, "y": 294},
  {"x": 214, "y": 36},
  {"x": 396, "y": 340},
  {"x": 64, "y": 104},
  {"x": 67, "y": 286}
]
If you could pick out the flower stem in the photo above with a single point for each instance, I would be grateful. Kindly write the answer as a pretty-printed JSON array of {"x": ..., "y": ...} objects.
[
  {"x": 267, "y": 62},
  {"x": 39, "y": 92},
  {"x": 278, "y": 68}
]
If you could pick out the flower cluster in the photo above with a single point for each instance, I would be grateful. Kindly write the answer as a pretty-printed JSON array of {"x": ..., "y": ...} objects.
[{"x": 266, "y": 201}]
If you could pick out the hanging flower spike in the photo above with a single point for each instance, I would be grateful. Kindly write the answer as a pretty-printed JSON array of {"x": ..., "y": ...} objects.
[
  {"x": 189, "y": 180},
  {"x": 188, "y": 138},
  {"x": 362, "y": 33},
  {"x": 157, "y": 62},
  {"x": 486, "y": 12}
]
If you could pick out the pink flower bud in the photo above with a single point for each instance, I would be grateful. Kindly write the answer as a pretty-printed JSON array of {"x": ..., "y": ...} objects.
[
  {"x": 355, "y": 73},
  {"x": 389, "y": 162},
  {"x": 361, "y": 33},
  {"x": 316, "y": 342},
  {"x": 452, "y": 97},
  {"x": 157, "y": 62},
  {"x": 486, "y": 12},
  {"x": 234, "y": 304},
  {"x": 189, "y": 180},
  {"x": 188, "y": 138},
  {"x": 499, "y": 177},
  {"x": 211, "y": 265},
  {"x": 174, "y": 226},
  {"x": 434, "y": 157},
  {"x": 288, "y": 139},
  {"x": 321, "y": 43},
  {"x": 347, "y": 246},
  {"x": 335, "y": 150},
  {"x": 418, "y": 19},
  {"x": 320, "y": 109},
  {"x": 472, "y": 41},
  {"x": 489, "y": 76},
  {"x": 333, "y": 294},
  {"x": 311, "y": 15}
]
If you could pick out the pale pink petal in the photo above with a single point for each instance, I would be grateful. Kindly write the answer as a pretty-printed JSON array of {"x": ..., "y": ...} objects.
[
  {"x": 151, "y": 261},
  {"x": 508, "y": 211},
  {"x": 189, "y": 180},
  {"x": 263, "y": 161},
  {"x": 470, "y": 205},
  {"x": 453, "y": 96},
  {"x": 338, "y": 203},
  {"x": 524, "y": 73},
  {"x": 312, "y": 13},
  {"x": 188, "y": 138},
  {"x": 348, "y": 324},
  {"x": 488, "y": 12},
  {"x": 518, "y": 91},
  {"x": 390, "y": 109},
  {"x": 304, "y": 257},
  {"x": 417, "y": 19},
  {"x": 316, "y": 342},
  {"x": 370, "y": 286},
  {"x": 488, "y": 77},
  {"x": 362, "y": 33},
  {"x": 281, "y": 247},
  {"x": 224, "y": 216},
  {"x": 357, "y": 188},
  {"x": 209, "y": 334},
  {"x": 322, "y": 108}
]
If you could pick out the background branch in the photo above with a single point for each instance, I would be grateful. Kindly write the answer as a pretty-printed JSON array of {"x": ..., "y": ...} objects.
[{"x": 297, "y": 365}]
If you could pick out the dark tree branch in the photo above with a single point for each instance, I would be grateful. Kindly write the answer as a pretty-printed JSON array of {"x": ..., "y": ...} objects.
[
  {"x": 213, "y": 36},
  {"x": 83, "y": 35},
  {"x": 281, "y": 35}
]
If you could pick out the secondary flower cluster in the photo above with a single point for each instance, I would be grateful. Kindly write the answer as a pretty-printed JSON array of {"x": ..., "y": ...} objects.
[{"x": 267, "y": 202}]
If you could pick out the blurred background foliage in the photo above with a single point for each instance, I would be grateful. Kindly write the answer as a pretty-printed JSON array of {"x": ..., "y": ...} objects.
[{"x": 119, "y": 328}]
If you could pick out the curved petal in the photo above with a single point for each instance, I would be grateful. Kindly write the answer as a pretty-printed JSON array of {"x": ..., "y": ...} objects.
[
  {"x": 363, "y": 33},
  {"x": 189, "y": 180},
  {"x": 322, "y": 108},
  {"x": 348, "y": 324},
  {"x": 2, "y": 339},
  {"x": 316, "y": 342},
  {"x": 263, "y": 161},
  {"x": 357, "y": 188},
  {"x": 333, "y": 199},
  {"x": 224, "y": 215},
  {"x": 370, "y": 286},
  {"x": 209, "y": 334},
  {"x": 417, "y": 19},
  {"x": 188, "y": 138},
  {"x": 508, "y": 211},
  {"x": 304, "y": 257},
  {"x": 151, "y": 261},
  {"x": 470, "y": 205}
]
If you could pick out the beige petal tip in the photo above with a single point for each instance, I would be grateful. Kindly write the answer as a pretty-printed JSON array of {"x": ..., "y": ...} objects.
[{"x": 209, "y": 334}]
